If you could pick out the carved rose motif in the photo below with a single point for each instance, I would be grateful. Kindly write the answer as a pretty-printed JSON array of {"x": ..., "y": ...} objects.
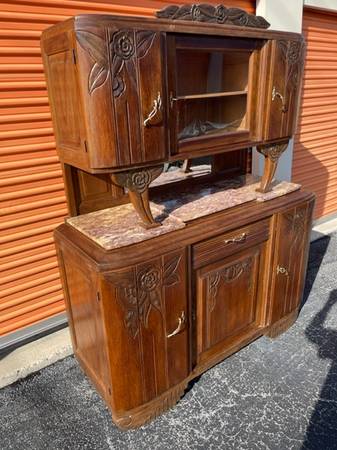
[
  {"x": 140, "y": 180},
  {"x": 149, "y": 278},
  {"x": 196, "y": 13},
  {"x": 294, "y": 52},
  {"x": 142, "y": 291},
  {"x": 118, "y": 86},
  {"x": 220, "y": 13},
  {"x": 123, "y": 45}
]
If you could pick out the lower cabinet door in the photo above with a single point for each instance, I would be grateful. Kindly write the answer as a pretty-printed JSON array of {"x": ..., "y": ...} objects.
[
  {"x": 293, "y": 229},
  {"x": 230, "y": 304},
  {"x": 146, "y": 318}
]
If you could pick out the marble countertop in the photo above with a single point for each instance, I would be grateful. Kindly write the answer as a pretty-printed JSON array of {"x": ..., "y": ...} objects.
[{"x": 120, "y": 226}]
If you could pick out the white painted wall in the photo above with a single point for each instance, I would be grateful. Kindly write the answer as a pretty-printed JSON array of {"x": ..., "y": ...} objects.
[
  {"x": 328, "y": 5},
  {"x": 284, "y": 15}
]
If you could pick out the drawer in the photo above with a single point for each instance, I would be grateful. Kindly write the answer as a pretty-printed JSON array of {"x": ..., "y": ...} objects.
[{"x": 228, "y": 243}]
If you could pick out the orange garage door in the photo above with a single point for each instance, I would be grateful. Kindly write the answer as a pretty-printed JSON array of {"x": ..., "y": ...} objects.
[
  {"x": 315, "y": 149},
  {"x": 32, "y": 201}
]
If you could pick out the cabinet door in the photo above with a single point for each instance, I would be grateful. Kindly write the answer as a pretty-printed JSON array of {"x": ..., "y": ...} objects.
[
  {"x": 291, "y": 253},
  {"x": 146, "y": 311},
  {"x": 121, "y": 73},
  {"x": 211, "y": 92},
  {"x": 286, "y": 60},
  {"x": 229, "y": 301}
]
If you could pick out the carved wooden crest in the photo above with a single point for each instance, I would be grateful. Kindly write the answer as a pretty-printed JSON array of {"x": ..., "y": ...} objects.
[{"x": 220, "y": 14}]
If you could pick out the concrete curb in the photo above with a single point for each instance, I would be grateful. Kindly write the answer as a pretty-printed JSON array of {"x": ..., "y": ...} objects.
[{"x": 34, "y": 356}]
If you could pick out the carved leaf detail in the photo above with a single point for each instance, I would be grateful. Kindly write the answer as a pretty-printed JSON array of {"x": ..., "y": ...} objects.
[
  {"x": 139, "y": 292},
  {"x": 293, "y": 53},
  {"x": 213, "y": 282},
  {"x": 94, "y": 45},
  {"x": 123, "y": 53},
  {"x": 228, "y": 275},
  {"x": 127, "y": 297},
  {"x": 97, "y": 77},
  {"x": 144, "y": 42},
  {"x": 170, "y": 277}
]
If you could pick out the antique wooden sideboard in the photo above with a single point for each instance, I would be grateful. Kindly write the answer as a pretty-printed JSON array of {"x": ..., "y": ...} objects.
[{"x": 158, "y": 292}]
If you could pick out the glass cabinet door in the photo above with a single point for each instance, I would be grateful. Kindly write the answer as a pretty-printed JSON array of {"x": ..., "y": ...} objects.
[{"x": 210, "y": 84}]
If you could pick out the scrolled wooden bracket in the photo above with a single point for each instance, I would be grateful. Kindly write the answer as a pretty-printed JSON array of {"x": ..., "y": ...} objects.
[
  {"x": 137, "y": 182},
  {"x": 272, "y": 154}
]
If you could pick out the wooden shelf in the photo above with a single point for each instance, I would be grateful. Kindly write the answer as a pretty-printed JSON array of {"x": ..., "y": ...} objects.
[{"x": 210, "y": 95}]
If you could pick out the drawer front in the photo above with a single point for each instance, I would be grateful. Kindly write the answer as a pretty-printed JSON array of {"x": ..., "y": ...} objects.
[{"x": 228, "y": 243}]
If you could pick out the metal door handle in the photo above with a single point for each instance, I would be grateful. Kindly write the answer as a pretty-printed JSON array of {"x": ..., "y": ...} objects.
[
  {"x": 237, "y": 239},
  {"x": 282, "y": 270},
  {"x": 276, "y": 94},
  {"x": 181, "y": 323},
  {"x": 157, "y": 105}
]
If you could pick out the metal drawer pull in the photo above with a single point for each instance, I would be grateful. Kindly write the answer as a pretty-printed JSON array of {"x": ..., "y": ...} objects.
[
  {"x": 181, "y": 323},
  {"x": 237, "y": 239},
  {"x": 282, "y": 270},
  {"x": 275, "y": 94},
  {"x": 157, "y": 104}
]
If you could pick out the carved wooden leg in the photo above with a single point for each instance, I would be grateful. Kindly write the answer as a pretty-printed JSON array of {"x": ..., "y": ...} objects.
[
  {"x": 137, "y": 182},
  {"x": 271, "y": 154}
]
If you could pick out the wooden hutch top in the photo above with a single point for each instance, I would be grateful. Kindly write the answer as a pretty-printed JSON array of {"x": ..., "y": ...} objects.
[{"x": 128, "y": 94}]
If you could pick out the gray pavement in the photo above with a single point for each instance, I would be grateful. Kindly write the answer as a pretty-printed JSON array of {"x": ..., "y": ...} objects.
[{"x": 275, "y": 395}]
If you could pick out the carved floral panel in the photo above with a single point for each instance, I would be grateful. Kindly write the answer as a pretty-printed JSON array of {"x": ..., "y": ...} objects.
[
  {"x": 111, "y": 55},
  {"x": 227, "y": 275},
  {"x": 141, "y": 290}
]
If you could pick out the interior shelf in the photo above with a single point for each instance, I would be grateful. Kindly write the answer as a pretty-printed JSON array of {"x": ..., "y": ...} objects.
[{"x": 210, "y": 95}]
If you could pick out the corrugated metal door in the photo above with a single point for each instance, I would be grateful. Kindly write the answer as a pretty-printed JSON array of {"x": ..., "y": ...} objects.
[
  {"x": 315, "y": 147},
  {"x": 32, "y": 199}
]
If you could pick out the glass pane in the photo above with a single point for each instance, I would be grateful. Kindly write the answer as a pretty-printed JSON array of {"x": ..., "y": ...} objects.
[
  {"x": 210, "y": 116},
  {"x": 200, "y": 71}
]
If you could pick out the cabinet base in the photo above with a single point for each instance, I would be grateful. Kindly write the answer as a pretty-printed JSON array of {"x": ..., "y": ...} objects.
[
  {"x": 139, "y": 416},
  {"x": 282, "y": 325}
]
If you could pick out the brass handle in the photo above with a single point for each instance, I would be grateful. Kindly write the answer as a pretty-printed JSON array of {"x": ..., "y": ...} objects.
[
  {"x": 237, "y": 239},
  {"x": 181, "y": 323},
  {"x": 275, "y": 94},
  {"x": 282, "y": 270},
  {"x": 172, "y": 99},
  {"x": 157, "y": 105}
]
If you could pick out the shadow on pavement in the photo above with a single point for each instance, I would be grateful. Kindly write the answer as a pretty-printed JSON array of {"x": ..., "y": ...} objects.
[{"x": 322, "y": 430}]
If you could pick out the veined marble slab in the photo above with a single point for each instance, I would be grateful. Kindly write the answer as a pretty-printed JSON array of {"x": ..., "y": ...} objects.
[
  {"x": 120, "y": 226},
  {"x": 200, "y": 200}
]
